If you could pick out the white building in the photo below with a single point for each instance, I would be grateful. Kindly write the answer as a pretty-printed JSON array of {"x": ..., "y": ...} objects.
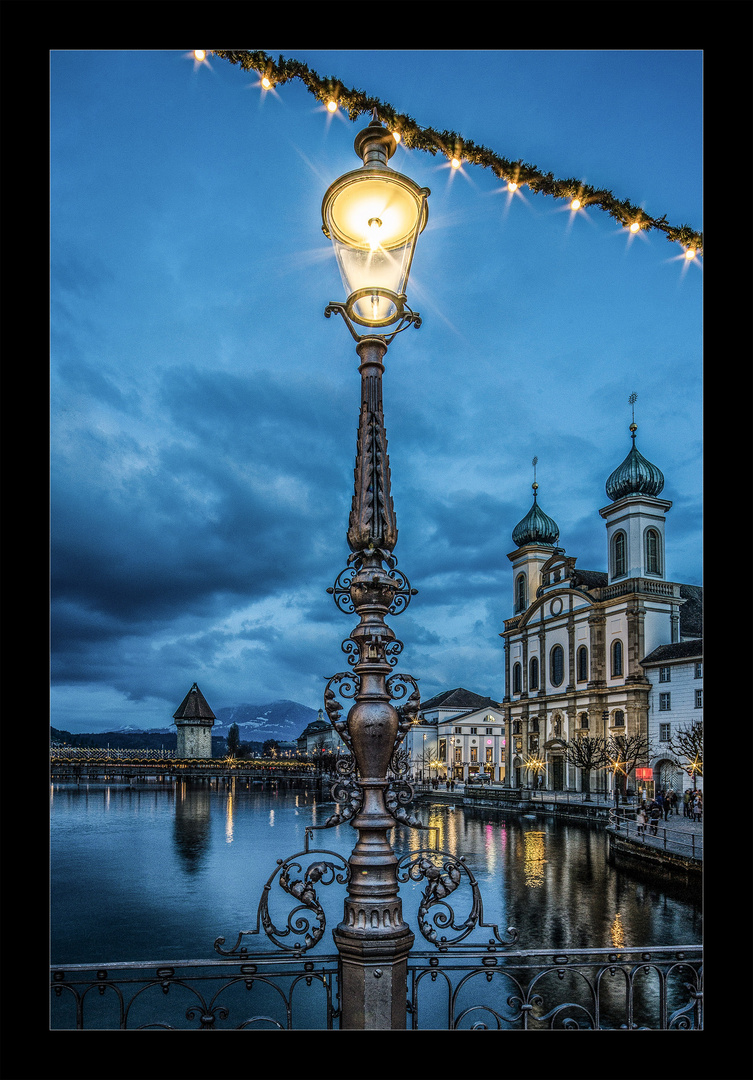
[
  {"x": 458, "y": 735},
  {"x": 675, "y": 704},
  {"x": 576, "y": 644}
]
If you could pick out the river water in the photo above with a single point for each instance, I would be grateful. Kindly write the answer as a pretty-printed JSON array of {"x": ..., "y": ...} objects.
[{"x": 158, "y": 873}]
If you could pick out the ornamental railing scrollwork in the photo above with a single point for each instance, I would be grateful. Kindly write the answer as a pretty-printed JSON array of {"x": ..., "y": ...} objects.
[{"x": 444, "y": 873}]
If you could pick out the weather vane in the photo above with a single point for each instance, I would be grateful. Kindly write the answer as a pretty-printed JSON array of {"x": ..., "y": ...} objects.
[
  {"x": 632, "y": 400},
  {"x": 535, "y": 463}
]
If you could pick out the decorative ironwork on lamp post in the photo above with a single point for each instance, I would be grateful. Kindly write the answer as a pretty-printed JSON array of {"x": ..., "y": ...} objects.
[{"x": 373, "y": 216}]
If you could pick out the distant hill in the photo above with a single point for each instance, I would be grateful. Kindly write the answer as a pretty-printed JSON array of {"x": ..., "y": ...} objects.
[
  {"x": 283, "y": 721},
  {"x": 280, "y": 720}
]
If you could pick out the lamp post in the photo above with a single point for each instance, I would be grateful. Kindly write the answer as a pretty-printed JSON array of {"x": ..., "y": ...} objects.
[{"x": 373, "y": 215}]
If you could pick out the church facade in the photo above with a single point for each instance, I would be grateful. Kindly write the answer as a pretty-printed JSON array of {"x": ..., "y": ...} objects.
[{"x": 583, "y": 649}]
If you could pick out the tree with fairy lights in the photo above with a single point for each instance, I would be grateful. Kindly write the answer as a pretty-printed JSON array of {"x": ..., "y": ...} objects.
[
  {"x": 624, "y": 754},
  {"x": 587, "y": 753},
  {"x": 686, "y": 746}
]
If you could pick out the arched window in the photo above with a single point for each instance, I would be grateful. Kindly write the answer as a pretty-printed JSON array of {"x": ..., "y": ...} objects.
[
  {"x": 653, "y": 552},
  {"x": 582, "y": 663},
  {"x": 619, "y": 718},
  {"x": 533, "y": 673},
  {"x": 516, "y": 679},
  {"x": 617, "y": 658},
  {"x": 557, "y": 665},
  {"x": 520, "y": 593},
  {"x": 619, "y": 554}
]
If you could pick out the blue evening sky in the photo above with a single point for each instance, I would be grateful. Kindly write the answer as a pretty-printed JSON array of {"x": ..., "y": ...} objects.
[{"x": 204, "y": 411}]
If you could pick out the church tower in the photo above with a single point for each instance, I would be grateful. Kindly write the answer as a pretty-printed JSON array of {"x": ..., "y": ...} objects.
[
  {"x": 635, "y": 517},
  {"x": 194, "y": 720},
  {"x": 534, "y": 538}
]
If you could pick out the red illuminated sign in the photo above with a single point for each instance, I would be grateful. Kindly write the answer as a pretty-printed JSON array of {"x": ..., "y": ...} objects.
[{"x": 644, "y": 774}]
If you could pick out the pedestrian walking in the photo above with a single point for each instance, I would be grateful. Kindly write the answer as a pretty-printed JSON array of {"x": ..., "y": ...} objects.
[
  {"x": 698, "y": 806},
  {"x": 654, "y": 814},
  {"x": 667, "y": 807},
  {"x": 686, "y": 802},
  {"x": 641, "y": 820}
]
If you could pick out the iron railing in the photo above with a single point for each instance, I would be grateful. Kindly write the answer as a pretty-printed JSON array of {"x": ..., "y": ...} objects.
[{"x": 596, "y": 990}]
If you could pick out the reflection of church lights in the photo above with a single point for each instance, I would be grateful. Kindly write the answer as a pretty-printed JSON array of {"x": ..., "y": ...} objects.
[
  {"x": 617, "y": 932},
  {"x": 533, "y": 859},
  {"x": 229, "y": 818}
]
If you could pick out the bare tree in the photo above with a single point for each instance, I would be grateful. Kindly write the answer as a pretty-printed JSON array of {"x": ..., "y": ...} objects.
[
  {"x": 686, "y": 746},
  {"x": 587, "y": 753},
  {"x": 625, "y": 753}
]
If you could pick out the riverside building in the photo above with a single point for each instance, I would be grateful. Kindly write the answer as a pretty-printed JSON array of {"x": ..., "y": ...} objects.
[{"x": 586, "y": 651}]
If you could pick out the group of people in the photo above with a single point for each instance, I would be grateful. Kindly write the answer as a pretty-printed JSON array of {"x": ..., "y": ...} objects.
[{"x": 651, "y": 812}]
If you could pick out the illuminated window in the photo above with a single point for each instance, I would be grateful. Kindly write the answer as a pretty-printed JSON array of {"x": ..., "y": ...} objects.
[
  {"x": 618, "y": 555},
  {"x": 582, "y": 663},
  {"x": 557, "y": 665},
  {"x": 616, "y": 658},
  {"x": 520, "y": 593},
  {"x": 533, "y": 673},
  {"x": 653, "y": 562}
]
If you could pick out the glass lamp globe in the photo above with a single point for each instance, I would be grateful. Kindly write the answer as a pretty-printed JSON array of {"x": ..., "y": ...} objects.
[{"x": 373, "y": 216}]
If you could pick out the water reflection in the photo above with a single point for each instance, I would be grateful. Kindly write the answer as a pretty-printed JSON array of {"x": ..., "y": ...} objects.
[
  {"x": 533, "y": 860},
  {"x": 145, "y": 873},
  {"x": 193, "y": 808}
]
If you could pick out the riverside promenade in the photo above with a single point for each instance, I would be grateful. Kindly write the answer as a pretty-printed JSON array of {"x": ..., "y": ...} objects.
[{"x": 677, "y": 844}]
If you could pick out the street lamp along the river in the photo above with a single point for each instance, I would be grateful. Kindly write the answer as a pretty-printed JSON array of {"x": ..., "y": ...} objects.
[{"x": 373, "y": 216}]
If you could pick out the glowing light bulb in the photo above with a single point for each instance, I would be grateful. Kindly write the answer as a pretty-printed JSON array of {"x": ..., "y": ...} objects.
[
  {"x": 455, "y": 162},
  {"x": 374, "y": 307},
  {"x": 634, "y": 227},
  {"x": 375, "y": 225},
  {"x": 396, "y": 136},
  {"x": 511, "y": 186},
  {"x": 266, "y": 83},
  {"x": 200, "y": 54},
  {"x": 690, "y": 253},
  {"x": 332, "y": 106},
  {"x": 575, "y": 204}
]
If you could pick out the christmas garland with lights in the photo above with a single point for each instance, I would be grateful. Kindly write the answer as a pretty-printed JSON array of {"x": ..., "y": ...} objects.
[{"x": 355, "y": 103}]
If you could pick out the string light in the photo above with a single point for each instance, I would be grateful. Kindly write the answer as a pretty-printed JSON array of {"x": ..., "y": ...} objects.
[
  {"x": 575, "y": 204},
  {"x": 356, "y": 102},
  {"x": 690, "y": 253},
  {"x": 266, "y": 83}
]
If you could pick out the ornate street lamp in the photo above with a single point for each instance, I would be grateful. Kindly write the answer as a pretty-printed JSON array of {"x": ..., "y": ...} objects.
[{"x": 373, "y": 216}]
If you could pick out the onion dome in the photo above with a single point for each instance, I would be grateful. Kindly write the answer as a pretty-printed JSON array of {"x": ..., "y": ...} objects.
[
  {"x": 536, "y": 527},
  {"x": 635, "y": 476}
]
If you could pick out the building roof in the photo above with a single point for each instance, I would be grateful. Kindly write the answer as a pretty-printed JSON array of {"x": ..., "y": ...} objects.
[
  {"x": 459, "y": 698},
  {"x": 635, "y": 476},
  {"x": 194, "y": 707},
  {"x": 536, "y": 527},
  {"x": 592, "y": 579},
  {"x": 691, "y": 612},
  {"x": 677, "y": 650}
]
